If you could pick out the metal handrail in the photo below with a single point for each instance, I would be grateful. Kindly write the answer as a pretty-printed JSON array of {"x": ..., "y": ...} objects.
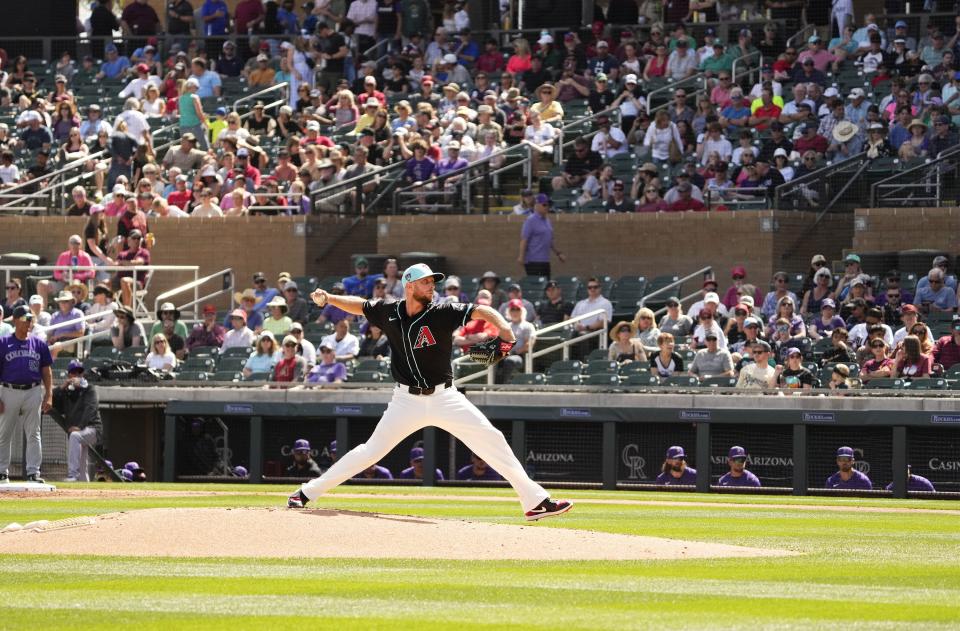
[
  {"x": 787, "y": 188},
  {"x": 889, "y": 182},
  {"x": 530, "y": 354},
  {"x": 46, "y": 178},
  {"x": 465, "y": 171},
  {"x": 672, "y": 86},
  {"x": 572, "y": 125},
  {"x": 283, "y": 87},
  {"x": 195, "y": 285},
  {"x": 677, "y": 283},
  {"x": 357, "y": 181},
  {"x": 75, "y": 321},
  {"x": 750, "y": 69},
  {"x": 800, "y": 35},
  {"x": 84, "y": 340}
]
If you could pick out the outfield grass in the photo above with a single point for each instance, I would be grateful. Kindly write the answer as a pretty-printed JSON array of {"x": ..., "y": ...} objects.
[{"x": 858, "y": 569}]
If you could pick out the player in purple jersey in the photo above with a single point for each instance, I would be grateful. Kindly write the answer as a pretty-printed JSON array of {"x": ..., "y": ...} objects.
[
  {"x": 26, "y": 389},
  {"x": 675, "y": 469},
  {"x": 848, "y": 477},
  {"x": 916, "y": 483},
  {"x": 738, "y": 475},
  {"x": 415, "y": 470}
]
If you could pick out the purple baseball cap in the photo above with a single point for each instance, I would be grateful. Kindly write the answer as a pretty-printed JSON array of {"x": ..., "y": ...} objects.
[
  {"x": 676, "y": 453},
  {"x": 132, "y": 466},
  {"x": 239, "y": 471},
  {"x": 542, "y": 198},
  {"x": 75, "y": 366},
  {"x": 828, "y": 302},
  {"x": 845, "y": 452},
  {"x": 301, "y": 444},
  {"x": 416, "y": 453},
  {"x": 126, "y": 474},
  {"x": 737, "y": 452}
]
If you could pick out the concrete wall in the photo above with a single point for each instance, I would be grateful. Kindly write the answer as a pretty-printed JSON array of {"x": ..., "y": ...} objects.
[
  {"x": 248, "y": 244},
  {"x": 888, "y": 229},
  {"x": 622, "y": 244}
]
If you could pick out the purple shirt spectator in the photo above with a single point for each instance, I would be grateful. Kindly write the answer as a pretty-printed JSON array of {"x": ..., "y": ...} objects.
[
  {"x": 447, "y": 166},
  {"x": 857, "y": 481},
  {"x": 333, "y": 314},
  {"x": 538, "y": 233},
  {"x": 379, "y": 473},
  {"x": 747, "y": 479},
  {"x": 916, "y": 483},
  {"x": 467, "y": 473},
  {"x": 73, "y": 314},
  {"x": 419, "y": 170},
  {"x": 824, "y": 329},
  {"x": 407, "y": 474},
  {"x": 327, "y": 373},
  {"x": 689, "y": 476}
]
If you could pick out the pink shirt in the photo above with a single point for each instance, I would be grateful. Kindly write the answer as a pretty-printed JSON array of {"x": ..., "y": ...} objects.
[
  {"x": 83, "y": 260},
  {"x": 821, "y": 59}
]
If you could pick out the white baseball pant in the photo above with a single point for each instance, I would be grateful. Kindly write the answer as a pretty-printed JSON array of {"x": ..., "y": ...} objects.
[
  {"x": 21, "y": 408},
  {"x": 77, "y": 466},
  {"x": 449, "y": 410}
]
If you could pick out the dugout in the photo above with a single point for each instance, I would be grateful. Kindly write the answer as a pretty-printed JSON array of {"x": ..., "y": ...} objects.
[{"x": 593, "y": 438}]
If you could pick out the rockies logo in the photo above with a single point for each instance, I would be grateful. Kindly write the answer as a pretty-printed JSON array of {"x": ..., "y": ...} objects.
[{"x": 634, "y": 462}]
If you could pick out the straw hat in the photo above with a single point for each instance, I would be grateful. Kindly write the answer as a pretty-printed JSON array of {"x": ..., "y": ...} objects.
[
  {"x": 844, "y": 131},
  {"x": 247, "y": 294},
  {"x": 623, "y": 323},
  {"x": 76, "y": 284},
  {"x": 916, "y": 122}
]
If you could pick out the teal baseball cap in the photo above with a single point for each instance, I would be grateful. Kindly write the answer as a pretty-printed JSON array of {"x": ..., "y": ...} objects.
[{"x": 418, "y": 271}]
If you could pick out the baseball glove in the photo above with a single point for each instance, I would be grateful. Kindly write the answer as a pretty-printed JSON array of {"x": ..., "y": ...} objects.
[{"x": 491, "y": 351}]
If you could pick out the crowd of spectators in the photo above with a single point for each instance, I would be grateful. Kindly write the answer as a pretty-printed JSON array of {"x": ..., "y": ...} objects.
[{"x": 374, "y": 83}]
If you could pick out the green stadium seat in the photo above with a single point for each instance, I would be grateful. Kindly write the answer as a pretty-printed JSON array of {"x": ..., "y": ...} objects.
[
  {"x": 563, "y": 379},
  {"x": 680, "y": 381},
  {"x": 634, "y": 368},
  {"x": 884, "y": 384},
  {"x": 231, "y": 364},
  {"x": 718, "y": 382},
  {"x": 107, "y": 352},
  {"x": 236, "y": 351},
  {"x": 932, "y": 383},
  {"x": 565, "y": 366},
  {"x": 367, "y": 376},
  {"x": 597, "y": 354},
  {"x": 192, "y": 375},
  {"x": 602, "y": 379},
  {"x": 204, "y": 351},
  {"x": 205, "y": 364},
  {"x": 640, "y": 379},
  {"x": 227, "y": 375},
  {"x": 379, "y": 365},
  {"x": 528, "y": 379},
  {"x": 259, "y": 376},
  {"x": 600, "y": 366}
]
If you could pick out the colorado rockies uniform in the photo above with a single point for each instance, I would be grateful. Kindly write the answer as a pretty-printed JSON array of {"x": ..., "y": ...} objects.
[
  {"x": 22, "y": 363},
  {"x": 420, "y": 347},
  {"x": 744, "y": 479}
]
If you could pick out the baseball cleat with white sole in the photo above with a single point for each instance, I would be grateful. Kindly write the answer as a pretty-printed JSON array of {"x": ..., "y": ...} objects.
[
  {"x": 297, "y": 500},
  {"x": 548, "y": 508}
]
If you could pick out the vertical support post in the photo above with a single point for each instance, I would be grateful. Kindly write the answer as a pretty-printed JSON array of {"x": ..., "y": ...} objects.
[
  {"x": 486, "y": 187},
  {"x": 169, "y": 447},
  {"x": 429, "y": 455},
  {"x": 518, "y": 439},
  {"x": 800, "y": 482},
  {"x": 703, "y": 457},
  {"x": 256, "y": 450},
  {"x": 343, "y": 436},
  {"x": 609, "y": 457},
  {"x": 899, "y": 461}
]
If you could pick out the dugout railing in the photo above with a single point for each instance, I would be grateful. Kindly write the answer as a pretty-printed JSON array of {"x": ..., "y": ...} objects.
[{"x": 596, "y": 437}]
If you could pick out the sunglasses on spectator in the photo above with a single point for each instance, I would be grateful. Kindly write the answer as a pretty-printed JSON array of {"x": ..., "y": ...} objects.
[
  {"x": 706, "y": 316},
  {"x": 12, "y": 287},
  {"x": 646, "y": 318},
  {"x": 593, "y": 286},
  {"x": 936, "y": 282},
  {"x": 724, "y": 78},
  {"x": 325, "y": 350},
  {"x": 759, "y": 351},
  {"x": 877, "y": 345},
  {"x": 781, "y": 280},
  {"x": 893, "y": 295},
  {"x": 290, "y": 345}
]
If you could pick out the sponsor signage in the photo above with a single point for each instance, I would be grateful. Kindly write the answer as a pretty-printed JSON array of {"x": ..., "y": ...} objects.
[
  {"x": 944, "y": 418},
  {"x": 354, "y": 410},
  {"x": 819, "y": 417},
  {"x": 694, "y": 415},
  {"x": 238, "y": 408},
  {"x": 575, "y": 412}
]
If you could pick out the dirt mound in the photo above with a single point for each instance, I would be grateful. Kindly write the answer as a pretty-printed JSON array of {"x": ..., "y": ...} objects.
[{"x": 277, "y": 533}]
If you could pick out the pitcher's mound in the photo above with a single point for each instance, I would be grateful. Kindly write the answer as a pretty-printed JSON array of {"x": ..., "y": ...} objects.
[{"x": 266, "y": 532}]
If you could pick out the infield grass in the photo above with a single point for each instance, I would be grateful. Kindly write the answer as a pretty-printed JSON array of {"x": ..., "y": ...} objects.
[{"x": 857, "y": 569}]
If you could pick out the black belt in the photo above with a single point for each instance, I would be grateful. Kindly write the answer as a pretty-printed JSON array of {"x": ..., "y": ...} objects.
[
  {"x": 418, "y": 391},
  {"x": 21, "y": 386}
]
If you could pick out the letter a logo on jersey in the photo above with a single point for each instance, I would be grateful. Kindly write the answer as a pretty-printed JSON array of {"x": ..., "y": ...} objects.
[{"x": 424, "y": 338}]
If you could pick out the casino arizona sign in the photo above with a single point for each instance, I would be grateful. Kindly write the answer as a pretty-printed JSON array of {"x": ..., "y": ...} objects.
[{"x": 549, "y": 457}]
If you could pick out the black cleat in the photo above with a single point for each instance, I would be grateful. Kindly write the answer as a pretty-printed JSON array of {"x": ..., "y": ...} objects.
[
  {"x": 34, "y": 477},
  {"x": 548, "y": 508}
]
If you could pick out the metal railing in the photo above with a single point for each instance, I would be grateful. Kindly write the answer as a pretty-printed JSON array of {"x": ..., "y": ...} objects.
[
  {"x": 663, "y": 291},
  {"x": 581, "y": 128},
  {"x": 478, "y": 171},
  {"x": 750, "y": 69},
  {"x": 335, "y": 194},
  {"x": 139, "y": 306},
  {"x": 737, "y": 198},
  {"x": 530, "y": 355},
  {"x": 800, "y": 37},
  {"x": 82, "y": 343},
  {"x": 687, "y": 82},
  {"x": 227, "y": 277},
  {"x": 813, "y": 190},
  {"x": 921, "y": 185},
  {"x": 284, "y": 88}
]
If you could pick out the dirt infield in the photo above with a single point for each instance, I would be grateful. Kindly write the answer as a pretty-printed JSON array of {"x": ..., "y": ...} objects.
[{"x": 322, "y": 533}]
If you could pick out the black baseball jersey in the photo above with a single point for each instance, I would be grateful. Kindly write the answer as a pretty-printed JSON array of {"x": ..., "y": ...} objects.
[{"x": 420, "y": 346}]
